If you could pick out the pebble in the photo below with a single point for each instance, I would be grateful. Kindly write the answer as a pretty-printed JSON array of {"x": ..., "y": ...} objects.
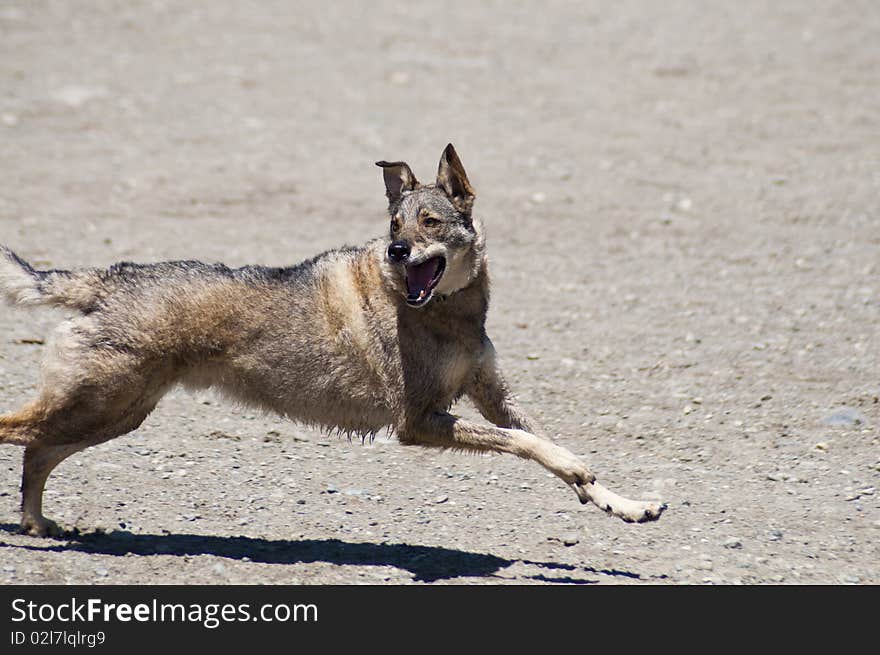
[
  {"x": 869, "y": 491},
  {"x": 399, "y": 78},
  {"x": 75, "y": 96},
  {"x": 732, "y": 542},
  {"x": 774, "y": 535},
  {"x": 441, "y": 499},
  {"x": 569, "y": 539},
  {"x": 103, "y": 573},
  {"x": 845, "y": 417}
]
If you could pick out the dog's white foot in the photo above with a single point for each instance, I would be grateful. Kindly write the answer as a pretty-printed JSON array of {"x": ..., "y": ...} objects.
[
  {"x": 631, "y": 511},
  {"x": 40, "y": 526}
]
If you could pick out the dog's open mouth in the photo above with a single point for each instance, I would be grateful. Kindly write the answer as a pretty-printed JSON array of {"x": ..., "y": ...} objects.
[{"x": 421, "y": 280}]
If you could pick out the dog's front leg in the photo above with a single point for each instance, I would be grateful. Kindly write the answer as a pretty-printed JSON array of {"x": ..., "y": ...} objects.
[
  {"x": 492, "y": 397},
  {"x": 443, "y": 430}
]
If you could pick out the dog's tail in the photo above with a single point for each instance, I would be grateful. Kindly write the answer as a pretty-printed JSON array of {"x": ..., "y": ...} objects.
[{"x": 21, "y": 284}]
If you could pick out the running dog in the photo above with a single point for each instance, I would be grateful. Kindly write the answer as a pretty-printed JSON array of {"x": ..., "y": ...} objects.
[{"x": 385, "y": 336}]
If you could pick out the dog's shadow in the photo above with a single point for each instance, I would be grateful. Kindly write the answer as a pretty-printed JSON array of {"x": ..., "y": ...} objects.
[{"x": 426, "y": 563}]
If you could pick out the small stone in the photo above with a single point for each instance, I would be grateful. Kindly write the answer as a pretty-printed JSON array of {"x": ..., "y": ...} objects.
[
  {"x": 732, "y": 542},
  {"x": 399, "y": 78},
  {"x": 331, "y": 489},
  {"x": 774, "y": 535},
  {"x": 75, "y": 96},
  {"x": 301, "y": 502},
  {"x": 844, "y": 417},
  {"x": 851, "y": 579},
  {"x": 868, "y": 491},
  {"x": 532, "y": 357},
  {"x": 569, "y": 539},
  {"x": 441, "y": 499},
  {"x": 103, "y": 573},
  {"x": 822, "y": 445}
]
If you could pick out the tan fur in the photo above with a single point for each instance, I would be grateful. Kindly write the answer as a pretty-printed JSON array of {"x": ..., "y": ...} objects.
[{"x": 355, "y": 339}]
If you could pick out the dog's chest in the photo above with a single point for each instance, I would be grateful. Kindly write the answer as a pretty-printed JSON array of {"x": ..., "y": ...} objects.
[{"x": 440, "y": 361}]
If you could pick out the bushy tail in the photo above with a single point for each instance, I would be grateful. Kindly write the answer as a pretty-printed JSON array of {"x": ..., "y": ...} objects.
[{"x": 21, "y": 284}]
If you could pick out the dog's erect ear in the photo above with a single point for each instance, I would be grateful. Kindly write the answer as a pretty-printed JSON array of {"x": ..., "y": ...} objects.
[
  {"x": 454, "y": 181},
  {"x": 398, "y": 178}
]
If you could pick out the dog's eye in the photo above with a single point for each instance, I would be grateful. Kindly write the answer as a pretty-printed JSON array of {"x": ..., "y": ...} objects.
[
  {"x": 430, "y": 222},
  {"x": 395, "y": 226}
]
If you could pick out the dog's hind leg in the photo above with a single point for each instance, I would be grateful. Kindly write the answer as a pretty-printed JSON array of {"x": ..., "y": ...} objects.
[
  {"x": 102, "y": 398},
  {"x": 38, "y": 464},
  {"x": 442, "y": 430},
  {"x": 51, "y": 433},
  {"x": 24, "y": 428}
]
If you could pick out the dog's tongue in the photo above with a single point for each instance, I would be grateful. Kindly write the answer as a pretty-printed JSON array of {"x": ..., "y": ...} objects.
[{"x": 418, "y": 277}]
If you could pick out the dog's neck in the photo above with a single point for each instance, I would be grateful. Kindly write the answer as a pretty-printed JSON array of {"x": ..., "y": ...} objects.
[{"x": 471, "y": 301}]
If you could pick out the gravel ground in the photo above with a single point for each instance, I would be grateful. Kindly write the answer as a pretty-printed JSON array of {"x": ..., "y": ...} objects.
[{"x": 683, "y": 206}]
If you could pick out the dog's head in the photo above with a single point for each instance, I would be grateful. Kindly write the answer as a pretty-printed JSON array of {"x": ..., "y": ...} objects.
[{"x": 435, "y": 245}]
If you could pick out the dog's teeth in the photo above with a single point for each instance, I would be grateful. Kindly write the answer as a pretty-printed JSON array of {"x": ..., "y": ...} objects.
[{"x": 422, "y": 294}]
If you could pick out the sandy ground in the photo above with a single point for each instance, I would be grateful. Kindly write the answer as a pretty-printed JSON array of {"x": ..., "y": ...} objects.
[{"x": 683, "y": 206}]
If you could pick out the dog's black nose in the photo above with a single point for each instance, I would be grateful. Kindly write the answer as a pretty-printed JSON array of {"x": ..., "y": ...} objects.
[{"x": 399, "y": 251}]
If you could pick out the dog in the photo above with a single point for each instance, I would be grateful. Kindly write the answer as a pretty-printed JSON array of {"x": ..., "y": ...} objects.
[{"x": 388, "y": 335}]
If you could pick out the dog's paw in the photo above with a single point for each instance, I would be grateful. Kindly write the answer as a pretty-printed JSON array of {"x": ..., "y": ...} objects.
[
  {"x": 652, "y": 512},
  {"x": 40, "y": 527},
  {"x": 639, "y": 514},
  {"x": 630, "y": 511},
  {"x": 636, "y": 511}
]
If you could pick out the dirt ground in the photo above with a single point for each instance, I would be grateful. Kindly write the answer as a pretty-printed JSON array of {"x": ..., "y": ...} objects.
[{"x": 683, "y": 211}]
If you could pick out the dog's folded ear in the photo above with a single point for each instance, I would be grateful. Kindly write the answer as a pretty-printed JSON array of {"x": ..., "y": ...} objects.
[
  {"x": 398, "y": 178},
  {"x": 452, "y": 178}
]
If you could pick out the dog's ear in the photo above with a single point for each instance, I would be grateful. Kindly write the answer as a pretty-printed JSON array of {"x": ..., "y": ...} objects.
[
  {"x": 398, "y": 178},
  {"x": 452, "y": 179}
]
